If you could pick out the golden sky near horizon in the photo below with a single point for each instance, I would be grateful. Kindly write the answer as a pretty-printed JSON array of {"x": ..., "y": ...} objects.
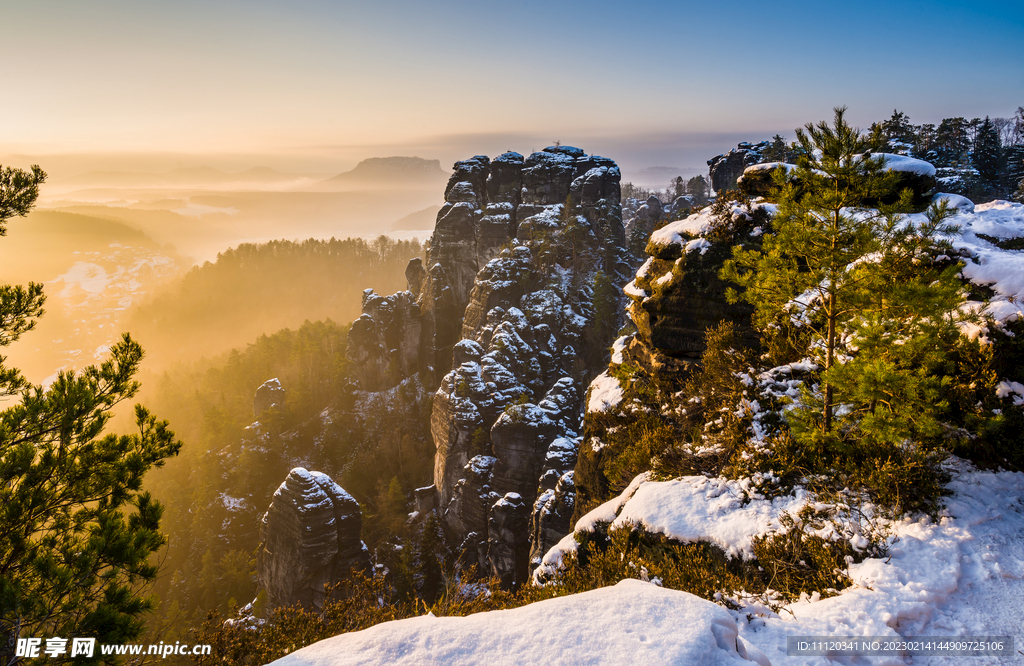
[{"x": 321, "y": 77}]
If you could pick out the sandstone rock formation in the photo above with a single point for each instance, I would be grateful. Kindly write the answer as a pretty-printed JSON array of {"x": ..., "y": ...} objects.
[
  {"x": 384, "y": 343},
  {"x": 309, "y": 538},
  {"x": 503, "y": 305},
  {"x": 269, "y": 394},
  {"x": 726, "y": 169},
  {"x": 513, "y": 388},
  {"x": 675, "y": 297}
]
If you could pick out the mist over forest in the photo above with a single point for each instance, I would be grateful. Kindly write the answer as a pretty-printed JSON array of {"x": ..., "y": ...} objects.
[{"x": 112, "y": 246}]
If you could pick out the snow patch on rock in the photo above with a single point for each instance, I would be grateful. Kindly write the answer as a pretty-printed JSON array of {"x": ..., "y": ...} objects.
[{"x": 605, "y": 393}]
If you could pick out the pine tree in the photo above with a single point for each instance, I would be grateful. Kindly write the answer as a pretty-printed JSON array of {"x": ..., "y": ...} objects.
[
  {"x": 863, "y": 282},
  {"x": 986, "y": 157},
  {"x": 1015, "y": 169},
  {"x": 952, "y": 142},
  {"x": 698, "y": 187},
  {"x": 776, "y": 150},
  {"x": 76, "y": 529},
  {"x": 899, "y": 129}
]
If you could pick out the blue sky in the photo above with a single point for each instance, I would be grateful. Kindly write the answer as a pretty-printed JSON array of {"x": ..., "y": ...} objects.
[{"x": 655, "y": 82}]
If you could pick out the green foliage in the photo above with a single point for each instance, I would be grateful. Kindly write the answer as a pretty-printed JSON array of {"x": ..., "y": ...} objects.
[
  {"x": 20, "y": 307},
  {"x": 778, "y": 151},
  {"x": 375, "y": 446},
  {"x": 881, "y": 311},
  {"x": 19, "y": 190},
  {"x": 607, "y": 302},
  {"x": 631, "y": 191},
  {"x": 795, "y": 561},
  {"x": 426, "y": 583},
  {"x": 731, "y": 228},
  {"x": 987, "y": 154},
  {"x": 787, "y": 563},
  {"x": 699, "y": 188},
  {"x": 77, "y": 531},
  {"x": 251, "y": 290},
  {"x": 706, "y": 434},
  {"x": 997, "y": 424}
]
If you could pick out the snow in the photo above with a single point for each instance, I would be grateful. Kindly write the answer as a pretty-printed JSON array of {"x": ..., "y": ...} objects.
[
  {"x": 677, "y": 233},
  {"x": 232, "y": 503},
  {"x": 632, "y": 622},
  {"x": 618, "y": 347},
  {"x": 955, "y": 201},
  {"x": 1007, "y": 389},
  {"x": 692, "y": 508},
  {"x": 961, "y": 576},
  {"x": 702, "y": 244},
  {"x": 632, "y": 290},
  {"x": 643, "y": 272},
  {"x": 696, "y": 508},
  {"x": 605, "y": 393},
  {"x": 683, "y": 232},
  {"x": 327, "y": 483},
  {"x": 768, "y": 166},
  {"x": 908, "y": 164},
  {"x": 1002, "y": 270}
]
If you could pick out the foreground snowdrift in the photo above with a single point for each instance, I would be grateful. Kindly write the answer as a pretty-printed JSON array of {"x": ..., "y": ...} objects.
[
  {"x": 631, "y": 623},
  {"x": 961, "y": 576}
]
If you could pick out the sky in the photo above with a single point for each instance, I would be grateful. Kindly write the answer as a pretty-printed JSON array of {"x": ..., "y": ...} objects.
[{"x": 318, "y": 85}]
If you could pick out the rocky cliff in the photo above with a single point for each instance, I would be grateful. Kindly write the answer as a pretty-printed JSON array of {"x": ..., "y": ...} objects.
[
  {"x": 674, "y": 298},
  {"x": 726, "y": 169},
  {"x": 506, "y": 417},
  {"x": 507, "y": 330},
  {"x": 269, "y": 394}
]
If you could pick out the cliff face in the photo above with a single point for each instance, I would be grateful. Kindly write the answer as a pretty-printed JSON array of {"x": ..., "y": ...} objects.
[
  {"x": 503, "y": 308},
  {"x": 384, "y": 343},
  {"x": 513, "y": 333},
  {"x": 726, "y": 169},
  {"x": 674, "y": 298}
]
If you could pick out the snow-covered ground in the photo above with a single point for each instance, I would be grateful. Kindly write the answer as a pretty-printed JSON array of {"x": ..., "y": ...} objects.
[
  {"x": 962, "y": 576},
  {"x": 630, "y": 623}
]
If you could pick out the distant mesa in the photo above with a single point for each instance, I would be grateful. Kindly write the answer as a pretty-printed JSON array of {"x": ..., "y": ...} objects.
[{"x": 392, "y": 170}]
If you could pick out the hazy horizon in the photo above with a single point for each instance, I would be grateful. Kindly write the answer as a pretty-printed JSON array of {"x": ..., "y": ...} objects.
[{"x": 320, "y": 86}]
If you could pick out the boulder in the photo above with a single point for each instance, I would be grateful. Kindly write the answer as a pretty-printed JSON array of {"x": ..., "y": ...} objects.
[{"x": 759, "y": 180}]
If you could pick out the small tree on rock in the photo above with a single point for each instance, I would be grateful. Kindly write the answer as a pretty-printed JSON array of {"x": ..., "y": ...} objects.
[{"x": 865, "y": 282}]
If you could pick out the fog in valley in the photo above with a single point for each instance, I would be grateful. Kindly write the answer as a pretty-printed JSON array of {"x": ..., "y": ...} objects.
[{"x": 114, "y": 247}]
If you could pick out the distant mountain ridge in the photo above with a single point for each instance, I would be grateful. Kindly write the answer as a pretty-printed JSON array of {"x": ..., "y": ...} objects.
[{"x": 394, "y": 168}]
